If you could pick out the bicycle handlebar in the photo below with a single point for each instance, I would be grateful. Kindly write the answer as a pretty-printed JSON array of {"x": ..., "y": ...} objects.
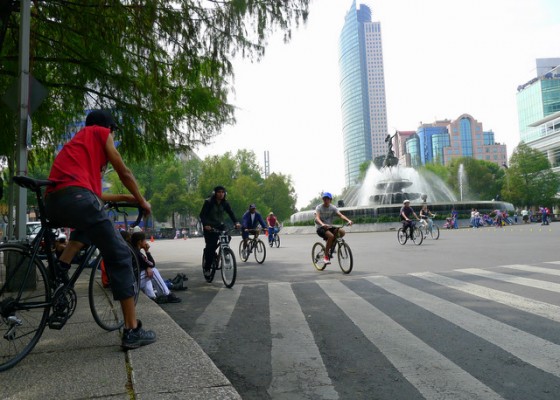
[{"x": 117, "y": 205}]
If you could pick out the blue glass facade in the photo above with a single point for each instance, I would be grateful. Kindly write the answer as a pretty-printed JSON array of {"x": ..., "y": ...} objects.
[
  {"x": 426, "y": 142},
  {"x": 355, "y": 93},
  {"x": 466, "y": 137}
]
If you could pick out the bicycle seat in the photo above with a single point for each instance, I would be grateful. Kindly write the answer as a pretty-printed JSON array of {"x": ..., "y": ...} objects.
[{"x": 31, "y": 183}]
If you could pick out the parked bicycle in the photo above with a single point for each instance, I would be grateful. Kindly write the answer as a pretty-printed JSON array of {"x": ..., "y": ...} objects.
[
  {"x": 413, "y": 233},
  {"x": 432, "y": 233},
  {"x": 254, "y": 245},
  {"x": 340, "y": 248},
  {"x": 224, "y": 260},
  {"x": 33, "y": 297}
]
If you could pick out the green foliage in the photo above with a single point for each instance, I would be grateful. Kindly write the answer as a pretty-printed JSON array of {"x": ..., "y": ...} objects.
[
  {"x": 529, "y": 180},
  {"x": 482, "y": 179},
  {"x": 164, "y": 67}
]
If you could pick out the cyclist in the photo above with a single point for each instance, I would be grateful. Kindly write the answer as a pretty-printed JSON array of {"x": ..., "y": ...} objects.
[
  {"x": 75, "y": 201},
  {"x": 212, "y": 217},
  {"x": 273, "y": 225},
  {"x": 249, "y": 223},
  {"x": 406, "y": 213},
  {"x": 426, "y": 216},
  {"x": 324, "y": 214}
]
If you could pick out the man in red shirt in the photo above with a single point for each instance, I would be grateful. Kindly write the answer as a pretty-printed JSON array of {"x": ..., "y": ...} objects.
[{"x": 75, "y": 201}]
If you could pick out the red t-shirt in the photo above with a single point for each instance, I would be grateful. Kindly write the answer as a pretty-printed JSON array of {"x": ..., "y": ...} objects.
[{"x": 81, "y": 161}]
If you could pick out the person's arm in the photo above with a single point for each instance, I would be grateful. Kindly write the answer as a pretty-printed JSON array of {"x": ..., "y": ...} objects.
[
  {"x": 261, "y": 221},
  {"x": 318, "y": 219},
  {"x": 127, "y": 198},
  {"x": 229, "y": 211},
  {"x": 125, "y": 175},
  {"x": 203, "y": 214},
  {"x": 344, "y": 218},
  {"x": 403, "y": 214}
]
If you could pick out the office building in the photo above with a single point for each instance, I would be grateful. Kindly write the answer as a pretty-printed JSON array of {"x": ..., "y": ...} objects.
[
  {"x": 362, "y": 86},
  {"x": 442, "y": 141}
]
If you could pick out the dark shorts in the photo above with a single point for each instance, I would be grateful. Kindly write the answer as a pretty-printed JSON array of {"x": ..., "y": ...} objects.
[
  {"x": 82, "y": 210},
  {"x": 322, "y": 230}
]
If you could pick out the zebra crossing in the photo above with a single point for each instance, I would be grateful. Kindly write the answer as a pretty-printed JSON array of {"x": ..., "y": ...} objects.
[{"x": 464, "y": 334}]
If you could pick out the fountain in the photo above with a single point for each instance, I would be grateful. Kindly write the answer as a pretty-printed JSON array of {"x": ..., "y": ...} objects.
[{"x": 383, "y": 191}]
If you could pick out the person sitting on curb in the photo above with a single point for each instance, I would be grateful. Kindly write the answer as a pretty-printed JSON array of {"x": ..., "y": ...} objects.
[{"x": 149, "y": 274}]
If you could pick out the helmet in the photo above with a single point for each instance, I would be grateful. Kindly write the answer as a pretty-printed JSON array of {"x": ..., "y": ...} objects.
[
  {"x": 406, "y": 201},
  {"x": 101, "y": 118},
  {"x": 327, "y": 194}
]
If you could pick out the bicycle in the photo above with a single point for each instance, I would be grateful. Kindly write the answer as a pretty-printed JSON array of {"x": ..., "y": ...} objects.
[
  {"x": 224, "y": 260},
  {"x": 32, "y": 296},
  {"x": 427, "y": 232},
  {"x": 342, "y": 250},
  {"x": 415, "y": 234},
  {"x": 254, "y": 245},
  {"x": 275, "y": 238}
]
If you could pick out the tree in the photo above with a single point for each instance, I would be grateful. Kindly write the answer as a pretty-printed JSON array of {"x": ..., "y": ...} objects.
[
  {"x": 481, "y": 180},
  {"x": 529, "y": 179},
  {"x": 164, "y": 67}
]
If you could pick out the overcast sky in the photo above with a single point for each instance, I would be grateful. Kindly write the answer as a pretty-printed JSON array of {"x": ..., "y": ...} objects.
[{"x": 442, "y": 58}]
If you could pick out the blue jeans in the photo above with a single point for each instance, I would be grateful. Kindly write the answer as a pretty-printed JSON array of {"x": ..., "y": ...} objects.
[{"x": 82, "y": 210}]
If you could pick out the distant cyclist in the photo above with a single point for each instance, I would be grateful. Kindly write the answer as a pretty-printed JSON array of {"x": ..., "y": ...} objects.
[
  {"x": 406, "y": 216},
  {"x": 249, "y": 223},
  {"x": 324, "y": 215},
  {"x": 272, "y": 223}
]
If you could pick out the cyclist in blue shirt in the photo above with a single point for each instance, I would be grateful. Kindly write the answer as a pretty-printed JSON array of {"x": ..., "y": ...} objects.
[{"x": 249, "y": 223}]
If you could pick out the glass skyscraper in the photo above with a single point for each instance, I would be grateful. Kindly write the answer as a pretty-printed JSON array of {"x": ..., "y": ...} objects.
[{"x": 362, "y": 86}]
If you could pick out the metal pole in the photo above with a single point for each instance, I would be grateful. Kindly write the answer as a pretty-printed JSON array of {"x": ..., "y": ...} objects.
[{"x": 24, "y": 121}]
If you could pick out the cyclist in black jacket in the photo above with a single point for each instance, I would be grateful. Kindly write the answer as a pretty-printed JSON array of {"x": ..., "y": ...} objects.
[{"x": 212, "y": 217}]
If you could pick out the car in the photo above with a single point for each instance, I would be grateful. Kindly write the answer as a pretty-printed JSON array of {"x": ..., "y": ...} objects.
[{"x": 33, "y": 228}]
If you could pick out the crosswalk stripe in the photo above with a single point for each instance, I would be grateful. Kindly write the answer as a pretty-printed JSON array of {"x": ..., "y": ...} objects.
[
  {"x": 410, "y": 356},
  {"x": 532, "y": 268},
  {"x": 536, "y": 307},
  {"x": 298, "y": 371},
  {"x": 550, "y": 286},
  {"x": 213, "y": 321},
  {"x": 529, "y": 348}
]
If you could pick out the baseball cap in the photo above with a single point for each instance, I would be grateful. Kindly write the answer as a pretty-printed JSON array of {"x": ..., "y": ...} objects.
[
  {"x": 101, "y": 118},
  {"x": 406, "y": 201},
  {"x": 136, "y": 229},
  {"x": 327, "y": 194},
  {"x": 252, "y": 206}
]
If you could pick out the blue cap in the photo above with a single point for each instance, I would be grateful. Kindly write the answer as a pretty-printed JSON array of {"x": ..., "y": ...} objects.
[{"x": 327, "y": 194}]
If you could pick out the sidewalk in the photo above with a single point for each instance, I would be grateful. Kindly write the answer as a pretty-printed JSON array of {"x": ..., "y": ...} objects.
[{"x": 82, "y": 361}]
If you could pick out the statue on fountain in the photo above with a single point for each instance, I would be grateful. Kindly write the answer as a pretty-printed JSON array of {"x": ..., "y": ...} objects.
[{"x": 390, "y": 159}]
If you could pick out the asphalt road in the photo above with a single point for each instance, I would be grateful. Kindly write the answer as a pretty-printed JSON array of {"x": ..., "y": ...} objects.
[{"x": 471, "y": 315}]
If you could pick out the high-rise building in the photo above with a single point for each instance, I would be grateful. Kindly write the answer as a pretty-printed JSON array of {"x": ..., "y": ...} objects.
[
  {"x": 440, "y": 142},
  {"x": 362, "y": 86},
  {"x": 538, "y": 98}
]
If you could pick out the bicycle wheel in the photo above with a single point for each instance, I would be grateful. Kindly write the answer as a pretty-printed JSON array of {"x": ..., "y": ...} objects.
[
  {"x": 209, "y": 274},
  {"x": 402, "y": 237},
  {"x": 277, "y": 240},
  {"x": 345, "y": 259},
  {"x": 244, "y": 252},
  {"x": 260, "y": 251},
  {"x": 435, "y": 232},
  {"x": 417, "y": 236},
  {"x": 228, "y": 267},
  {"x": 106, "y": 311},
  {"x": 24, "y": 303},
  {"x": 317, "y": 255}
]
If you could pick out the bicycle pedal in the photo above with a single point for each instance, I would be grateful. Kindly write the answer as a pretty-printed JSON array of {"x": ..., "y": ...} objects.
[{"x": 57, "y": 321}]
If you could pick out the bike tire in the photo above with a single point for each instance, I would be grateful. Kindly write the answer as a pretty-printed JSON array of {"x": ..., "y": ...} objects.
[
  {"x": 345, "y": 258},
  {"x": 417, "y": 236},
  {"x": 277, "y": 240},
  {"x": 106, "y": 311},
  {"x": 435, "y": 232},
  {"x": 21, "y": 329},
  {"x": 260, "y": 251},
  {"x": 317, "y": 255},
  {"x": 208, "y": 274},
  {"x": 228, "y": 267},
  {"x": 402, "y": 237},
  {"x": 244, "y": 253}
]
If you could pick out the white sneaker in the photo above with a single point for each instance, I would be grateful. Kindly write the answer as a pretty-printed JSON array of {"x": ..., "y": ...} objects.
[{"x": 326, "y": 261}]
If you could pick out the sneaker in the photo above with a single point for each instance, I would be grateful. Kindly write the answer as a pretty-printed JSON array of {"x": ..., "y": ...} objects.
[
  {"x": 134, "y": 338},
  {"x": 326, "y": 260},
  {"x": 61, "y": 271},
  {"x": 172, "y": 298},
  {"x": 161, "y": 300}
]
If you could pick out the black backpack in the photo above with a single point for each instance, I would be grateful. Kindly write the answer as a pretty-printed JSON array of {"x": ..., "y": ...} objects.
[{"x": 180, "y": 282}]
